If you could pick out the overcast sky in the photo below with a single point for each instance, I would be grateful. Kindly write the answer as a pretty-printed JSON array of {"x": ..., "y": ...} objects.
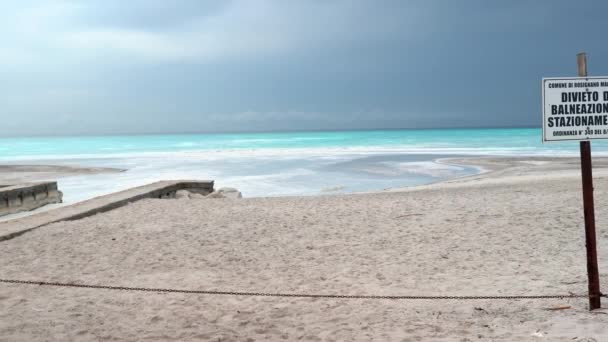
[{"x": 143, "y": 66}]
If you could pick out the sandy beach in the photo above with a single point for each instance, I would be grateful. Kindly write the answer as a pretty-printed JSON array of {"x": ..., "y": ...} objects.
[{"x": 516, "y": 229}]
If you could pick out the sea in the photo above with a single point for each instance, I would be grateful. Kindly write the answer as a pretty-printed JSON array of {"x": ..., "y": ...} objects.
[{"x": 281, "y": 163}]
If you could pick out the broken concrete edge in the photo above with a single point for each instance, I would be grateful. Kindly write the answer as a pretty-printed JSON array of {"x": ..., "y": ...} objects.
[
  {"x": 161, "y": 189},
  {"x": 17, "y": 198}
]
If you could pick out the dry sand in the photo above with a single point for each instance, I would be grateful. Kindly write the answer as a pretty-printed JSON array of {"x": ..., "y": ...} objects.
[{"x": 515, "y": 230}]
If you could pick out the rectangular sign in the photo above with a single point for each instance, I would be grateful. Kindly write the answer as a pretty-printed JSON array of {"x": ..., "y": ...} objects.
[{"x": 575, "y": 108}]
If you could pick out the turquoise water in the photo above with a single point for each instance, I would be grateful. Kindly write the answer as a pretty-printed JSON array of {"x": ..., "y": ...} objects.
[
  {"x": 468, "y": 141},
  {"x": 271, "y": 164}
]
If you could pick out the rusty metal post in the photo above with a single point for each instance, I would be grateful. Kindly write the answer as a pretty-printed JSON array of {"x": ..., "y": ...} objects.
[{"x": 588, "y": 208}]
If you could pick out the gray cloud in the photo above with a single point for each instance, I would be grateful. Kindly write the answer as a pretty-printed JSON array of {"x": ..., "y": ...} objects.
[{"x": 140, "y": 66}]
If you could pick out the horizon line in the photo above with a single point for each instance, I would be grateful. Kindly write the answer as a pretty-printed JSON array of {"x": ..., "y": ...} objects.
[{"x": 260, "y": 131}]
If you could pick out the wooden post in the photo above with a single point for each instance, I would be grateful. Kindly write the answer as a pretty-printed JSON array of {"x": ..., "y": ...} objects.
[{"x": 588, "y": 208}]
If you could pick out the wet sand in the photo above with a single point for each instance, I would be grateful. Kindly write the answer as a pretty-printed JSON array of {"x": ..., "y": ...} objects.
[{"x": 15, "y": 174}]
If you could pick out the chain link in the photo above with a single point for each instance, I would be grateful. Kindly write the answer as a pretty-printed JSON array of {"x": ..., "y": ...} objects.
[{"x": 296, "y": 295}]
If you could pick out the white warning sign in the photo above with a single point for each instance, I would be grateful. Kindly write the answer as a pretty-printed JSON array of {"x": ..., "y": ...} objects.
[{"x": 575, "y": 108}]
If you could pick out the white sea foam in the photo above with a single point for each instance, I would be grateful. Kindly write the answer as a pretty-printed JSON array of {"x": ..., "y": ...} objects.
[
  {"x": 424, "y": 168},
  {"x": 333, "y": 188},
  {"x": 431, "y": 168},
  {"x": 297, "y": 153}
]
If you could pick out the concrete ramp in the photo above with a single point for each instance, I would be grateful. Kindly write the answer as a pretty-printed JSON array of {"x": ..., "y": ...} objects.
[
  {"x": 27, "y": 196},
  {"x": 161, "y": 189}
]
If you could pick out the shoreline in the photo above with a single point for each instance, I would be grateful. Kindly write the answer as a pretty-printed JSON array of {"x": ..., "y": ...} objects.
[
  {"x": 26, "y": 173},
  {"x": 506, "y": 166},
  {"x": 504, "y": 169},
  {"x": 493, "y": 170}
]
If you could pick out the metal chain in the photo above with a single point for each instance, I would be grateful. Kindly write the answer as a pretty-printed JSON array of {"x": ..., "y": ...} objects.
[{"x": 297, "y": 295}]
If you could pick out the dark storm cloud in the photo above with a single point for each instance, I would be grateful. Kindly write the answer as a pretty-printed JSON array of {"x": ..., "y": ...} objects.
[{"x": 153, "y": 66}]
